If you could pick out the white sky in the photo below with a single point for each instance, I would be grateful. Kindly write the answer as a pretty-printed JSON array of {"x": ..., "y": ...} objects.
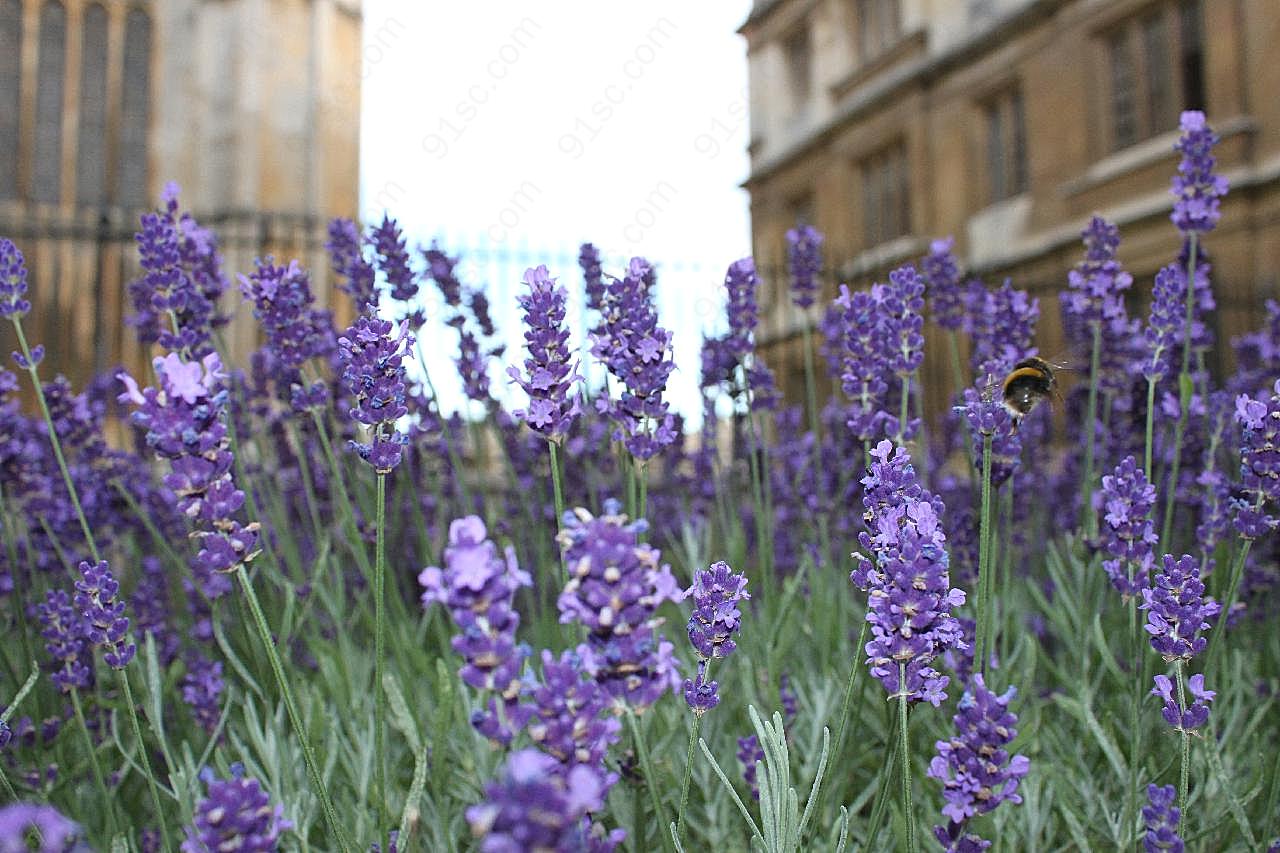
[{"x": 532, "y": 127}]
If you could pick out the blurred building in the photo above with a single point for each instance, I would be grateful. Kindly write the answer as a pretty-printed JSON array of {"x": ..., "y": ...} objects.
[
  {"x": 252, "y": 106},
  {"x": 1006, "y": 123}
]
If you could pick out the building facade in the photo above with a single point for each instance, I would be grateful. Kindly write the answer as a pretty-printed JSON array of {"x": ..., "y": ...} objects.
[
  {"x": 251, "y": 106},
  {"x": 1007, "y": 124}
]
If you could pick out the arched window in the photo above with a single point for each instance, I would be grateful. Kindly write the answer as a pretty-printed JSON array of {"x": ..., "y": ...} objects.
[
  {"x": 10, "y": 89},
  {"x": 135, "y": 111},
  {"x": 91, "y": 155},
  {"x": 51, "y": 69}
]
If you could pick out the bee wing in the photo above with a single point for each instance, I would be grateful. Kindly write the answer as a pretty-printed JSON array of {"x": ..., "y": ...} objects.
[{"x": 992, "y": 390}]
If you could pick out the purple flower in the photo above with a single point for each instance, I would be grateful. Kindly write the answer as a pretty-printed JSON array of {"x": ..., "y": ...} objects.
[
  {"x": 592, "y": 276},
  {"x": 550, "y": 374},
  {"x": 236, "y": 814},
  {"x": 1177, "y": 609},
  {"x": 440, "y": 270},
  {"x": 901, "y": 302},
  {"x": 1098, "y": 282},
  {"x": 976, "y": 771},
  {"x": 356, "y": 276},
  {"x": 804, "y": 256},
  {"x": 863, "y": 363},
  {"x": 1259, "y": 464},
  {"x": 371, "y": 352},
  {"x": 740, "y": 283},
  {"x": 22, "y": 823},
  {"x": 105, "y": 624},
  {"x": 1258, "y": 354},
  {"x": 1163, "y": 336},
  {"x": 570, "y": 714},
  {"x": 65, "y": 632},
  {"x": 942, "y": 277},
  {"x": 749, "y": 753},
  {"x": 393, "y": 259},
  {"x": 616, "y": 583},
  {"x": 202, "y": 688},
  {"x": 637, "y": 351},
  {"x": 1196, "y": 189},
  {"x": 1175, "y": 714},
  {"x": 1003, "y": 325},
  {"x": 534, "y": 806},
  {"x": 478, "y": 587},
  {"x": 909, "y": 591},
  {"x": 700, "y": 694},
  {"x": 989, "y": 417},
  {"x": 473, "y": 365},
  {"x": 1161, "y": 817},
  {"x": 13, "y": 282},
  {"x": 716, "y": 593},
  {"x": 1127, "y": 533},
  {"x": 282, "y": 302}
]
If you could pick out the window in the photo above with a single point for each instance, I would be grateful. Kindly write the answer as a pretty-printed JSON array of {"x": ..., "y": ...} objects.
[
  {"x": 885, "y": 208},
  {"x": 1006, "y": 146},
  {"x": 50, "y": 71},
  {"x": 91, "y": 159},
  {"x": 1156, "y": 68},
  {"x": 879, "y": 26},
  {"x": 799, "y": 59},
  {"x": 10, "y": 88},
  {"x": 135, "y": 108}
]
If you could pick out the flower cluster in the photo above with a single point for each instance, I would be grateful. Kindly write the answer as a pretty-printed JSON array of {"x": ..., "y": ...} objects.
[
  {"x": 63, "y": 629},
  {"x": 175, "y": 300},
  {"x": 569, "y": 714},
  {"x": 355, "y": 275},
  {"x": 1097, "y": 283},
  {"x": 901, "y": 302},
  {"x": 942, "y": 277},
  {"x": 1128, "y": 534},
  {"x": 1177, "y": 609},
  {"x": 14, "y": 304},
  {"x": 440, "y": 270},
  {"x": 235, "y": 814},
  {"x": 716, "y": 593},
  {"x": 637, "y": 351},
  {"x": 804, "y": 256},
  {"x": 976, "y": 771},
  {"x": 478, "y": 587},
  {"x": 1175, "y": 714},
  {"x": 991, "y": 418},
  {"x": 862, "y": 361},
  {"x": 1197, "y": 190},
  {"x": 393, "y": 259},
  {"x": 592, "y": 276},
  {"x": 1161, "y": 817},
  {"x": 24, "y": 825},
  {"x": 551, "y": 375},
  {"x": 616, "y": 583},
  {"x": 371, "y": 352},
  {"x": 183, "y": 419},
  {"x": 105, "y": 624},
  {"x": 202, "y": 688},
  {"x": 1003, "y": 324},
  {"x": 1259, "y": 464},
  {"x": 909, "y": 591},
  {"x": 282, "y": 302},
  {"x": 533, "y": 806}
]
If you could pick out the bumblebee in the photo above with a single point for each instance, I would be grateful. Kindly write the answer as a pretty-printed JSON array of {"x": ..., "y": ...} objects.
[{"x": 1030, "y": 381}]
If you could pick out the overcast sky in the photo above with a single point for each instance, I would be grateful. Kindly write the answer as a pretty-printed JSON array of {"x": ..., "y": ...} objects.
[{"x": 524, "y": 129}]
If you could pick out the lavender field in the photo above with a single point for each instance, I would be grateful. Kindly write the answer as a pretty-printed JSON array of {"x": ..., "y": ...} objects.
[{"x": 291, "y": 604}]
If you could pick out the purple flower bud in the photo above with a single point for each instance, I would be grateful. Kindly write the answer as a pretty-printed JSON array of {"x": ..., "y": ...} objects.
[
  {"x": 371, "y": 352},
  {"x": 57, "y": 834},
  {"x": 1161, "y": 817},
  {"x": 716, "y": 593},
  {"x": 105, "y": 622},
  {"x": 992, "y": 418},
  {"x": 13, "y": 282},
  {"x": 700, "y": 694},
  {"x": 393, "y": 259},
  {"x": 354, "y": 273},
  {"x": 1127, "y": 532},
  {"x": 1197, "y": 190},
  {"x": 570, "y": 714},
  {"x": 65, "y": 632},
  {"x": 804, "y": 256},
  {"x": 942, "y": 277},
  {"x": 1191, "y": 717},
  {"x": 236, "y": 814},
  {"x": 1259, "y": 464},
  {"x": 749, "y": 753},
  {"x": 550, "y": 374},
  {"x": 1177, "y": 609},
  {"x": 282, "y": 302}
]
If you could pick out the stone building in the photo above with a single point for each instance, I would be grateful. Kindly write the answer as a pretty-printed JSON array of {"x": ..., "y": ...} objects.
[
  {"x": 251, "y": 106},
  {"x": 1007, "y": 123}
]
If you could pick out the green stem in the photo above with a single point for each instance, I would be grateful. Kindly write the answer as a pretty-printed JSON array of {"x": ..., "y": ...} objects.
[
  {"x": 1228, "y": 601},
  {"x": 1135, "y": 704},
  {"x": 981, "y": 632},
  {"x": 886, "y": 773},
  {"x": 1185, "y": 755},
  {"x": 904, "y": 412},
  {"x": 1151, "y": 411},
  {"x": 344, "y": 499},
  {"x": 556, "y": 487},
  {"x": 1090, "y": 520},
  {"x": 142, "y": 752},
  {"x": 850, "y": 687},
  {"x": 651, "y": 782},
  {"x": 688, "y": 762},
  {"x": 379, "y": 655},
  {"x": 906, "y": 758},
  {"x": 108, "y": 804},
  {"x": 17, "y": 595},
  {"x": 291, "y": 708}
]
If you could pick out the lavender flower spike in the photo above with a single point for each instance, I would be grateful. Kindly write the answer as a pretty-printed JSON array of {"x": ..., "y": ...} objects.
[
  {"x": 1177, "y": 610},
  {"x": 236, "y": 814},
  {"x": 976, "y": 771},
  {"x": 1161, "y": 817},
  {"x": 804, "y": 256},
  {"x": 57, "y": 833},
  {"x": 550, "y": 375},
  {"x": 1259, "y": 464},
  {"x": 716, "y": 592},
  {"x": 13, "y": 282},
  {"x": 1128, "y": 534},
  {"x": 1197, "y": 190},
  {"x": 105, "y": 622},
  {"x": 371, "y": 352},
  {"x": 942, "y": 279},
  {"x": 1179, "y": 718}
]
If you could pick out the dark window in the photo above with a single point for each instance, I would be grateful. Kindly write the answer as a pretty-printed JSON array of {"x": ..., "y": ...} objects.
[
  {"x": 1192, "y": 56},
  {"x": 91, "y": 159},
  {"x": 879, "y": 25},
  {"x": 51, "y": 70},
  {"x": 799, "y": 62},
  {"x": 885, "y": 193},
  {"x": 135, "y": 109},
  {"x": 1006, "y": 146},
  {"x": 10, "y": 89},
  {"x": 1156, "y": 68},
  {"x": 1124, "y": 119}
]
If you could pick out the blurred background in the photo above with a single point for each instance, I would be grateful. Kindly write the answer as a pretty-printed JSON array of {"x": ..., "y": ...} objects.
[{"x": 692, "y": 134}]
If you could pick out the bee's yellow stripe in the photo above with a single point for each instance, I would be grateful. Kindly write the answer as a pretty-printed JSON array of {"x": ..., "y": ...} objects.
[{"x": 1029, "y": 372}]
